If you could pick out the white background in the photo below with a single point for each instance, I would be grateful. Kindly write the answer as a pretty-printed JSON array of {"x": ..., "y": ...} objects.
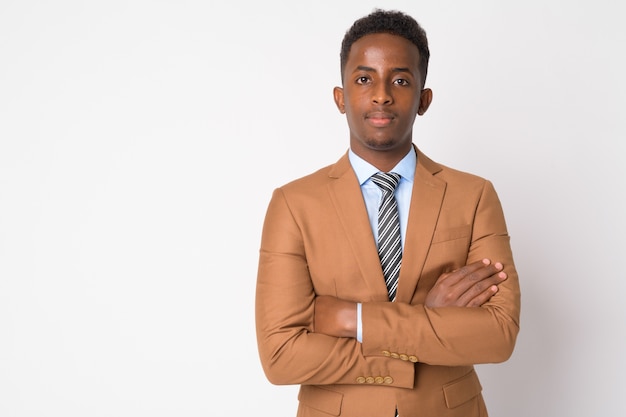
[{"x": 127, "y": 283}]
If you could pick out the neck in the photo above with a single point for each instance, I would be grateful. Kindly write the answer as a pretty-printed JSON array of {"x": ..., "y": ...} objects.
[{"x": 385, "y": 161}]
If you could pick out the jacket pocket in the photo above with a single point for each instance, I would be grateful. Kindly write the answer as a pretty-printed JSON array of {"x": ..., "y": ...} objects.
[
  {"x": 462, "y": 390},
  {"x": 452, "y": 233},
  {"x": 321, "y": 399}
]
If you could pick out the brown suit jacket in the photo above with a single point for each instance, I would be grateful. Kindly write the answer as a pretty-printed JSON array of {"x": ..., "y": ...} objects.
[{"x": 317, "y": 240}]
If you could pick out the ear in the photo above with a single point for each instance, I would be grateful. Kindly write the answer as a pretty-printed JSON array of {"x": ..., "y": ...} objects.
[
  {"x": 338, "y": 95},
  {"x": 426, "y": 97}
]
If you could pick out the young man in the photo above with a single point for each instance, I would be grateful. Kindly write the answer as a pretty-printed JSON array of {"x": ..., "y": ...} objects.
[{"x": 366, "y": 329}]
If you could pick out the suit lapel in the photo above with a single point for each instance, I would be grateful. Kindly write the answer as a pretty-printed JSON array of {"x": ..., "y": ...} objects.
[
  {"x": 426, "y": 201},
  {"x": 347, "y": 198}
]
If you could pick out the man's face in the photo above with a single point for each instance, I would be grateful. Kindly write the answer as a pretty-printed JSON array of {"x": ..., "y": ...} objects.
[{"x": 382, "y": 94}]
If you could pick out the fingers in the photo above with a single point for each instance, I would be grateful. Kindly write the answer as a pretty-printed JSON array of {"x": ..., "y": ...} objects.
[
  {"x": 471, "y": 271},
  {"x": 482, "y": 292},
  {"x": 483, "y": 297},
  {"x": 469, "y": 286},
  {"x": 479, "y": 286}
]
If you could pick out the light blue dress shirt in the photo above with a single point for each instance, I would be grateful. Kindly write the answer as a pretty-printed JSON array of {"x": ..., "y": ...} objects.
[{"x": 373, "y": 196}]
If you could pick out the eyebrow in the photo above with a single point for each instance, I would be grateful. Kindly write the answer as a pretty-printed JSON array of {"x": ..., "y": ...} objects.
[{"x": 370, "y": 69}]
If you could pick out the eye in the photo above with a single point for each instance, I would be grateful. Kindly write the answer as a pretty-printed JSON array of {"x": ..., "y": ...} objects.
[
  {"x": 362, "y": 80},
  {"x": 402, "y": 82}
]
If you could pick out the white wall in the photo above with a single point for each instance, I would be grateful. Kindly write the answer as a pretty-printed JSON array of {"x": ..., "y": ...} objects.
[{"x": 127, "y": 286}]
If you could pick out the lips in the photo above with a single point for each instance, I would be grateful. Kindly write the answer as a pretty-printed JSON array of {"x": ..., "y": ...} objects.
[{"x": 379, "y": 119}]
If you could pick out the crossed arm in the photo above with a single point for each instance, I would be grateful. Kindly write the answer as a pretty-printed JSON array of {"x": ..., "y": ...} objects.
[{"x": 469, "y": 286}]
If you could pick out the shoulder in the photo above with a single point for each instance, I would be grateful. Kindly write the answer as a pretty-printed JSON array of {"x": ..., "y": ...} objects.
[
  {"x": 321, "y": 178},
  {"x": 426, "y": 166},
  {"x": 314, "y": 179}
]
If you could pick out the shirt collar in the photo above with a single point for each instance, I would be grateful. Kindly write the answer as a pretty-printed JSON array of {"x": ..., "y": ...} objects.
[{"x": 364, "y": 170}]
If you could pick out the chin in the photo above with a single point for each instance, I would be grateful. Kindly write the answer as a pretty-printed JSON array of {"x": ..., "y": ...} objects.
[{"x": 382, "y": 144}]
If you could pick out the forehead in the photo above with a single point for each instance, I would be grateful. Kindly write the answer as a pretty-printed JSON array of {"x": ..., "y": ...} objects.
[{"x": 383, "y": 48}]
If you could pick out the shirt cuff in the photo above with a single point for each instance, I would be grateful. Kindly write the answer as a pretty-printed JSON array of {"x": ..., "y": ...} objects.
[{"x": 359, "y": 325}]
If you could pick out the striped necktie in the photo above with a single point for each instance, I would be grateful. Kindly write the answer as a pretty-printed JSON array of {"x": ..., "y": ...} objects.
[{"x": 389, "y": 244}]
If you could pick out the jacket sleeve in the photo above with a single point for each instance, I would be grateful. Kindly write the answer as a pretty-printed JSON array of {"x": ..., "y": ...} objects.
[
  {"x": 289, "y": 351},
  {"x": 454, "y": 335}
]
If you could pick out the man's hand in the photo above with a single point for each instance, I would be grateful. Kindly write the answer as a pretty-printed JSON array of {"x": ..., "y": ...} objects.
[
  {"x": 469, "y": 286},
  {"x": 334, "y": 317}
]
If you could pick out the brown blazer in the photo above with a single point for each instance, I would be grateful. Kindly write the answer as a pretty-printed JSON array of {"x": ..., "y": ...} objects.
[{"x": 317, "y": 240}]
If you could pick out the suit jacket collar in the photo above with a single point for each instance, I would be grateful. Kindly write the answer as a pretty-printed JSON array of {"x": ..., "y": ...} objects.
[
  {"x": 426, "y": 200},
  {"x": 345, "y": 193}
]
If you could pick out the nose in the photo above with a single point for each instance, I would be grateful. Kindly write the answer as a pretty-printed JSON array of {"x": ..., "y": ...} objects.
[{"x": 382, "y": 95}]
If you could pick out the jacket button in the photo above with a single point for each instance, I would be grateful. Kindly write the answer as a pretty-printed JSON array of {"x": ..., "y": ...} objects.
[
  {"x": 369, "y": 380},
  {"x": 404, "y": 357},
  {"x": 413, "y": 358},
  {"x": 395, "y": 355},
  {"x": 379, "y": 380},
  {"x": 388, "y": 380},
  {"x": 360, "y": 380},
  {"x": 386, "y": 353}
]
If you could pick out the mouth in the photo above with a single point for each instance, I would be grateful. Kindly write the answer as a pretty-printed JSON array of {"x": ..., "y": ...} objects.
[{"x": 379, "y": 119}]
